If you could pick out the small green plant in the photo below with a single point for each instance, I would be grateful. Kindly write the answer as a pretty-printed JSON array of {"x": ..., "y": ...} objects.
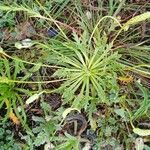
[
  {"x": 11, "y": 95},
  {"x": 7, "y": 141},
  {"x": 44, "y": 130},
  {"x": 90, "y": 72},
  {"x": 4, "y": 21},
  {"x": 8, "y": 92},
  {"x": 49, "y": 131},
  {"x": 46, "y": 127}
]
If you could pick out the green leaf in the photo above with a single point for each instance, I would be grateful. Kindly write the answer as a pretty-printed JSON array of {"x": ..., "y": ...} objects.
[
  {"x": 59, "y": 1},
  {"x": 145, "y": 104},
  {"x": 7, "y": 68},
  {"x": 4, "y": 79},
  {"x": 38, "y": 119},
  {"x": 136, "y": 20},
  {"x": 40, "y": 139},
  {"x": 36, "y": 67},
  {"x": 32, "y": 98},
  {"x": 141, "y": 132},
  {"x": 120, "y": 112}
]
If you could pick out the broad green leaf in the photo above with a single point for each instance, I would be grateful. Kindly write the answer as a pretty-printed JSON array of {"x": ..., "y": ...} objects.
[
  {"x": 141, "y": 132},
  {"x": 5, "y": 8},
  {"x": 136, "y": 20}
]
